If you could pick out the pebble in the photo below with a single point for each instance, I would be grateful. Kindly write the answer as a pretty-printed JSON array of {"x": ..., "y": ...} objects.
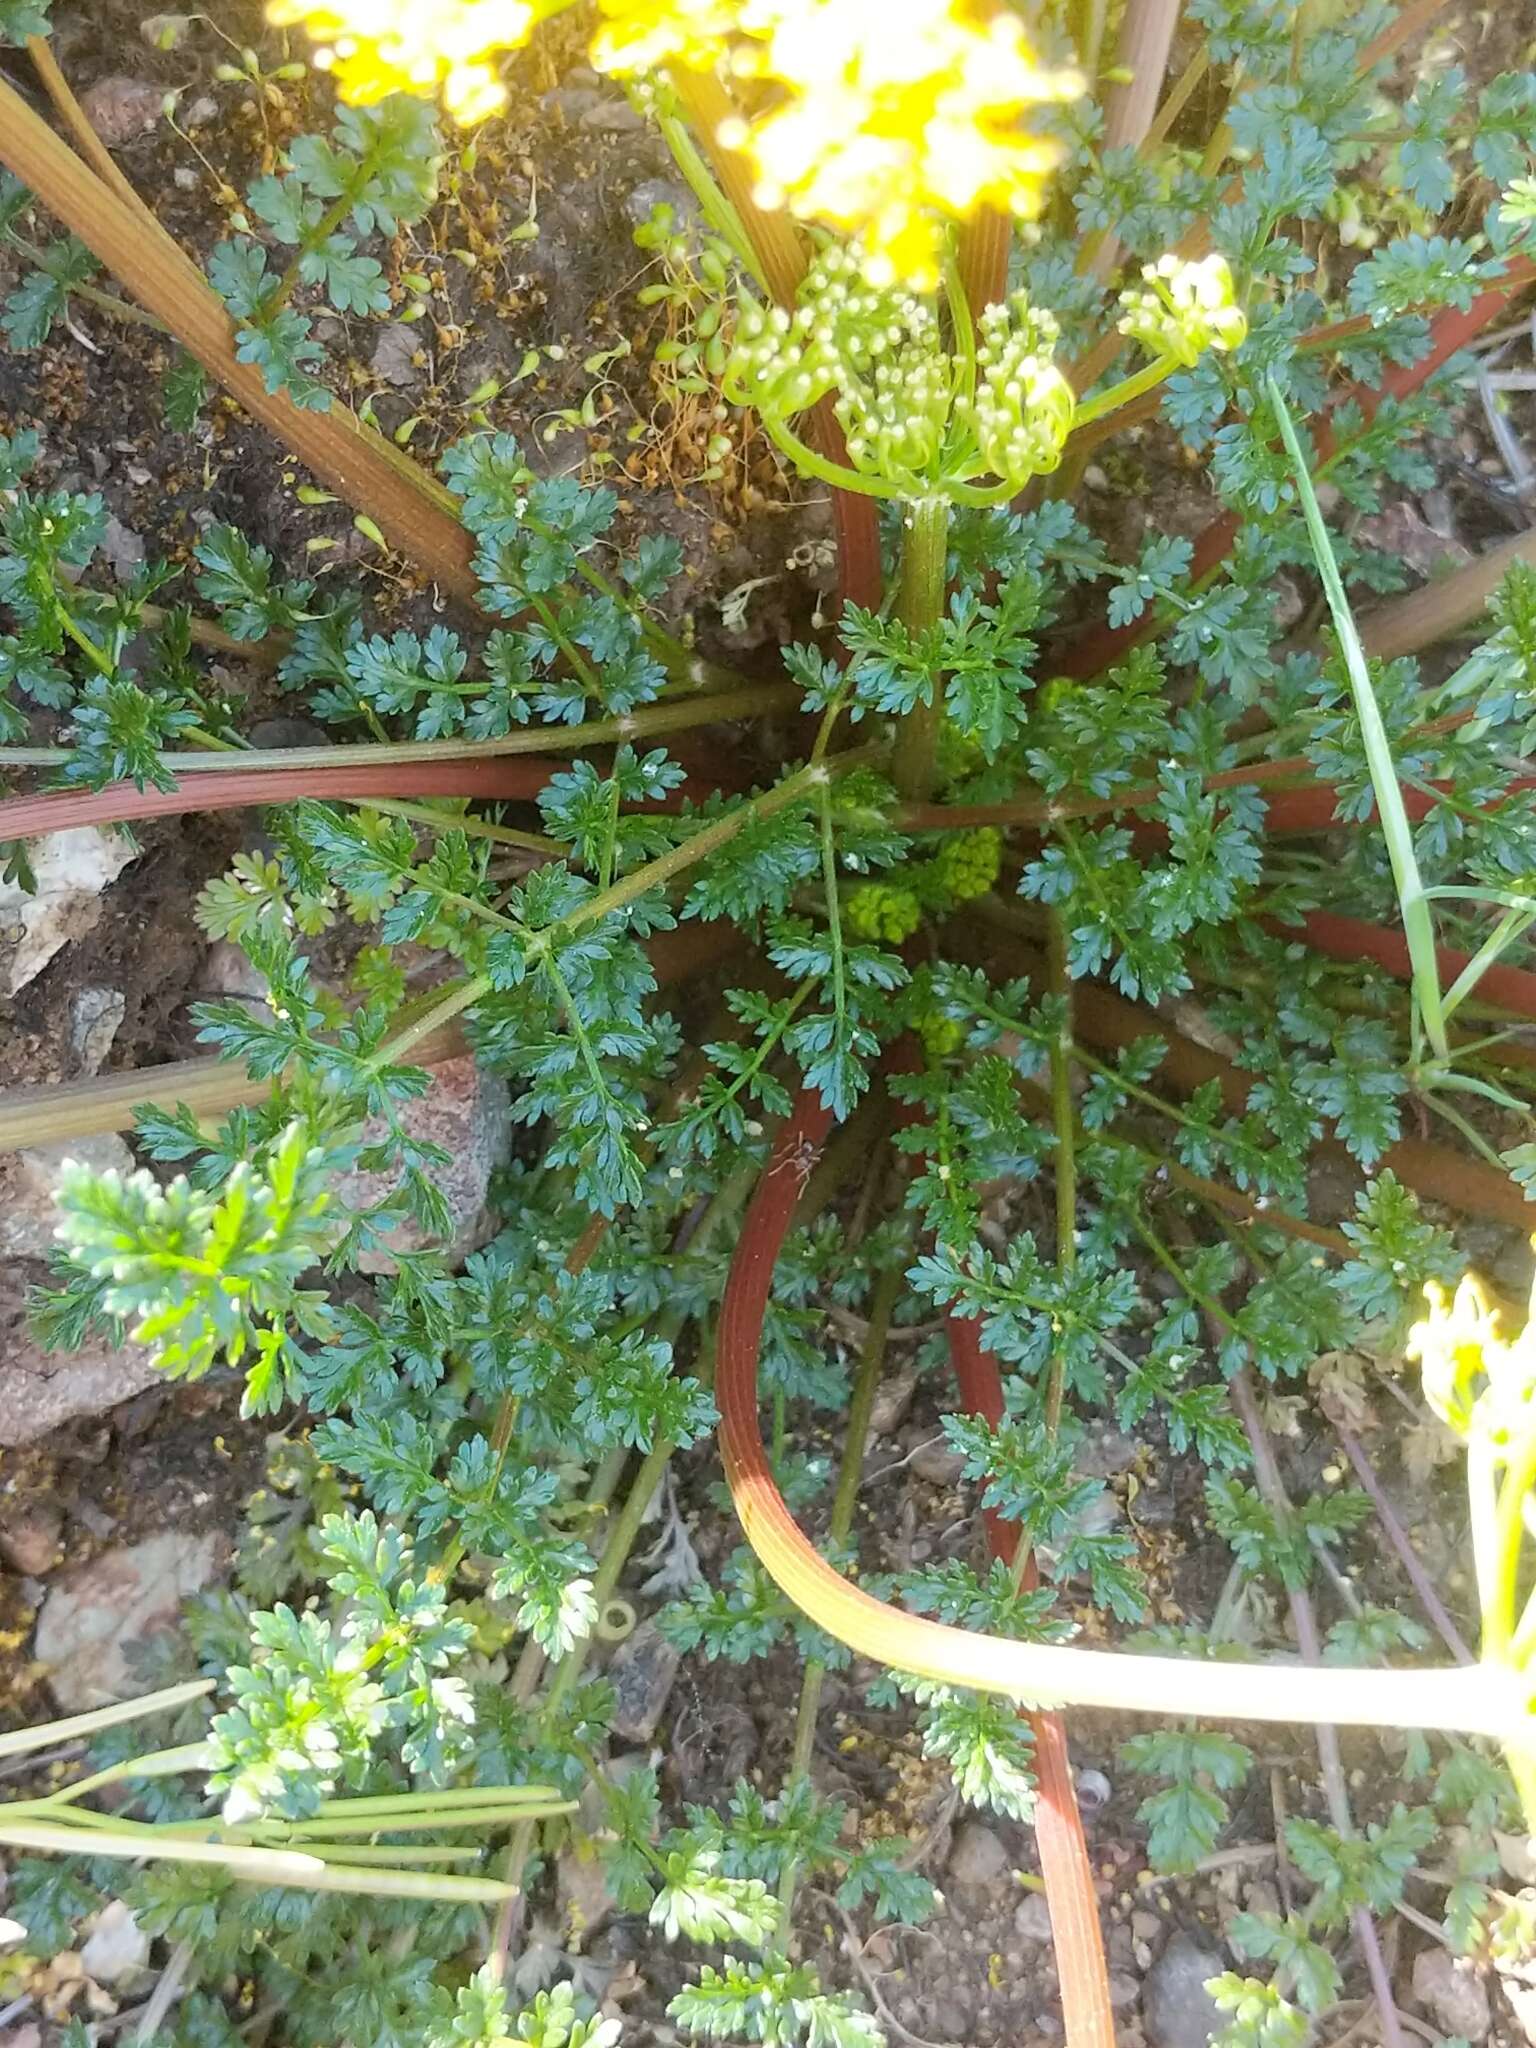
[
  {"x": 1453, "y": 1992},
  {"x": 122, "y": 547},
  {"x": 893, "y": 1397},
  {"x": 29, "y": 1214},
  {"x": 978, "y": 1857},
  {"x": 1124, "y": 1990},
  {"x": 29, "y": 1539},
  {"x": 1178, "y": 2010},
  {"x": 92, "y": 1613},
  {"x": 45, "y": 1389},
  {"x": 394, "y": 354},
  {"x": 1032, "y": 1918},
  {"x": 937, "y": 1462},
  {"x": 95, "y": 1018},
  {"x": 121, "y": 109},
  {"x": 1146, "y": 1926},
  {"x": 1094, "y": 1792},
  {"x": 116, "y": 1946}
]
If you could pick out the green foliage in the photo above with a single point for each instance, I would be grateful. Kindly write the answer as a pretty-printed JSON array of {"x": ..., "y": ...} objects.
[{"x": 1184, "y": 1821}]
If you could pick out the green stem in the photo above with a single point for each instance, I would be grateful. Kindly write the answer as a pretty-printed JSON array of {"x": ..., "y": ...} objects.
[
  {"x": 1418, "y": 923},
  {"x": 1065, "y": 1121},
  {"x": 1144, "y": 379},
  {"x": 919, "y": 607}
]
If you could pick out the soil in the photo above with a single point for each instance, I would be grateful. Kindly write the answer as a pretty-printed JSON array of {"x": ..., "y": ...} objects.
[{"x": 569, "y": 158}]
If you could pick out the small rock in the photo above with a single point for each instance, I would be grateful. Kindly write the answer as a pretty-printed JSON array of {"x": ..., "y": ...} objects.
[
  {"x": 165, "y": 31},
  {"x": 1104, "y": 1452},
  {"x": 28, "y": 2036},
  {"x": 95, "y": 1018},
  {"x": 72, "y": 869},
  {"x": 393, "y": 357},
  {"x": 1123, "y": 1990},
  {"x": 978, "y": 1858},
  {"x": 121, "y": 109},
  {"x": 1522, "y": 1999},
  {"x": 29, "y": 1539},
  {"x": 204, "y": 108},
  {"x": 1453, "y": 1993},
  {"x": 122, "y": 547},
  {"x": 467, "y": 1112},
  {"x": 46, "y": 1389},
  {"x": 229, "y": 971},
  {"x": 93, "y": 1612},
  {"x": 1403, "y": 532},
  {"x": 30, "y": 1180},
  {"x": 893, "y": 1397},
  {"x": 936, "y": 1462},
  {"x": 643, "y": 1672},
  {"x": 1178, "y": 2010},
  {"x": 271, "y": 733},
  {"x": 116, "y": 1946},
  {"x": 184, "y": 178},
  {"x": 1032, "y": 1918},
  {"x": 1262, "y": 1897},
  {"x": 1146, "y": 1926},
  {"x": 613, "y": 117},
  {"x": 1094, "y": 1792}
]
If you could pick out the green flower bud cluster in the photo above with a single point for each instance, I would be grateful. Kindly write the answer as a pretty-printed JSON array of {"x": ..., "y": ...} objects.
[
  {"x": 1188, "y": 308},
  {"x": 967, "y": 864},
  {"x": 919, "y": 420},
  {"x": 880, "y": 911}
]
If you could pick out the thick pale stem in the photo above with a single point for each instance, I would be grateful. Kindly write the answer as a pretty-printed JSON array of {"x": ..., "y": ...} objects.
[{"x": 919, "y": 606}]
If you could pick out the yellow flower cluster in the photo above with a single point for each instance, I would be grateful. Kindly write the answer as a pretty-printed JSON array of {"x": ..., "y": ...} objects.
[
  {"x": 447, "y": 47},
  {"x": 891, "y": 115},
  {"x": 1478, "y": 1382},
  {"x": 967, "y": 864},
  {"x": 880, "y": 910}
]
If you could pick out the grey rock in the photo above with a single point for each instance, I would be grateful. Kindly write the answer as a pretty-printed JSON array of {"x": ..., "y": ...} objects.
[
  {"x": 1146, "y": 1926},
  {"x": 204, "y": 108},
  {"x": 1178, "y": 2010},
  {"x": 1094, "y": 1792},
  {"x": 271, "y": 733},
  {"x": 641, "y": 201},
  {"x": 643, "y": 1672},
  {"x": 122, "y": 109},
  {"x": 1123, "y": 1990},
  {"x": 72, "y": 870},
  {"x": 92, "y": 1613},
  {"x": 95, "y": 1018},
  {"x": 978, "y": 1858},
  {"x": 893, "y": 1397},
  {"x": 1453, "y": 1993},
  {"x": 30, "y": 1179},
  {"x": 116, "y": 1947},
  {"x": 467, "y": 1112},
  {"x": 613, "y": 117},
  {"x": 937, "y": 1463},
  {"x": 1032, "y": 1918},
  {"x": 122, "y": 547}
]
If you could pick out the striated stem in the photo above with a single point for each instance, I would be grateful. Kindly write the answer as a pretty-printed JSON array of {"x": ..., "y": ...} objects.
[{"x": 919, "y": 607}]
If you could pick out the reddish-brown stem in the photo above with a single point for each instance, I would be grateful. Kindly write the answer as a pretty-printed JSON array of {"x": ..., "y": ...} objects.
[
  {"x": 984, "y": 244},
  {"x": 1064, "y": 1861},
  {"x": 1353, "y": 939}
]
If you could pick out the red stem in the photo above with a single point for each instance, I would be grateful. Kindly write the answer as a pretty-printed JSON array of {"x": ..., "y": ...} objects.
[
  {"x": 1352, "y": 938},
  {"x": 1064, "y": 1862}
]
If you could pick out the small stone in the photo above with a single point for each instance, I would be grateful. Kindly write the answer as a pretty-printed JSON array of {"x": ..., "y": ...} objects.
[
  {"x": 394, "y": 354},
  {"x": 643, "y": 1672},
  {"x": 1262, "y": 1897},
  {"x": 229, "y": 971},
  {"x": 978, "y": 1858},
  {"x": 28, "y": 2036},
  {"x": 116, "y": 1946},
  {"x": 467, "y": 1112},
  {"x": 936, "y": 1462},
  {"x": 1146, "y": 1926},
  {"x": 122, "y": 547},
  {"x": 165, "y": 31},
  {"x": 271, "y": 733},
  {"x": 204, "y": 108},
  {"x": 1104, "y": 1452},
  {"x": 1094, "y": 1792},
  {"x": 1178, "y": 2010},
  {"x": 582, "y": 1896},
  {"x": 1453, "y": 1993},
  {"x": 30, "y": 1180},
  {"x": 893, "y": 1397},
  {"x": 46, "y": 1389},
  {"x": 184, "y": 178},
  {"x": 95, "y": 1018},
  {"x": 72, "y": 869},
  {"x": 1123, "y": 1990},
  {"x": 1402, "y": 532},
  {"x": 29, "y": 1539},
  {"x": 92, "y": 1613},
  {"x": 1032, "y": 1918},
  {"x": 613, "y": 117},
  {"x": 122, "y": 109},
  {"x": 642, "y": 200}
]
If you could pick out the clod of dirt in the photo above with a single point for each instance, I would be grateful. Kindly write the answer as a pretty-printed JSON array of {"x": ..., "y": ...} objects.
[
  {"x": 72, "y": 869},
  {"x": 1178, "y": 2010},
  {"x": 29, "y": 1182},
  {"x": 937, "y": 1463},
  {"x": 893, "y": 1398},
  {"x": 465, "y": 1111},
  {"x": 29, "y": 1539},
  {"x": 93, "y": 1613},
  {"x": 122, "y": 109},
  {"x": 1452, "y": 1992},
  {"x": 643, "y": 1673},
  {"x": 978, "y": 1858},
  {"x": 394, "y": 355}
]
